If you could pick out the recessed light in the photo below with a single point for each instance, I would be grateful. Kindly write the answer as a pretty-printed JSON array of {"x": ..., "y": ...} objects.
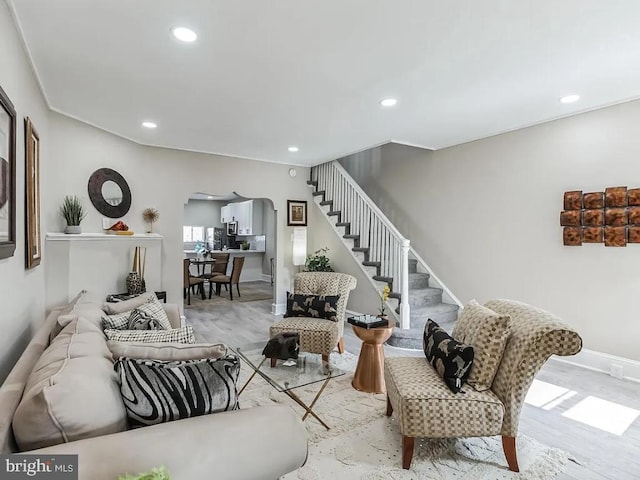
[
  {"x": 184, "y": 34},
  {"x": 293, "y": 149},
  {"x": 149, "y": 125},
  {"x": 388, "y": 102},
  {"x": 569, "y": 98}
]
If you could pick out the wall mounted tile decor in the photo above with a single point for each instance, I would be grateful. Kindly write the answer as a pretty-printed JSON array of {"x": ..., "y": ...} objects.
[{"x": 612, "y": 217}]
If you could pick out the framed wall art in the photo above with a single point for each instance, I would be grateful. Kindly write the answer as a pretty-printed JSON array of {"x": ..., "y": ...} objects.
[
  {"x": 32, "y": 188},
  {"x": 7, "y": 176},
  {"x": 296, "y": 213}
]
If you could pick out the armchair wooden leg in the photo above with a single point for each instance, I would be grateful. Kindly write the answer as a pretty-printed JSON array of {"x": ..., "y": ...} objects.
[
  {"x": 325, "y": 359},
  {"x": 407, "y": 451},
  {"x": 273, "y": 362},
  {"x": 341, "y": 345},
  {"x": 509, "y": 447},
  {"x": 389, "y": 407}
]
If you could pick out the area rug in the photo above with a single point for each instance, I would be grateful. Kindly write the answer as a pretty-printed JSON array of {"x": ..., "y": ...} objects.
[
  {"x": 249, "y": 292},
  {"x": 364, "y": 444}
]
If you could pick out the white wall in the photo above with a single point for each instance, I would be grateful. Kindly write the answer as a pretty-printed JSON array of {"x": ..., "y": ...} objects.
[
  {"x": 21, "y": 291},
  {"x": 485, "y": 215},
  {"x": 164, "y": 179},
  {"x": 203, "y": 213}
]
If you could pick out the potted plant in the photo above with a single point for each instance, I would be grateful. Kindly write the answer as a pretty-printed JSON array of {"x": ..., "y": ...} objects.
[
  {"x": 318, "y": 261},
  {"x": 73, "y": 212}
]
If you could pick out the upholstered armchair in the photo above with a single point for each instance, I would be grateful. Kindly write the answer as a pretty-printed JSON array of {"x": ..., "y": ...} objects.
[
  {"x": 427, "y": 408},
  {"x": 319, "y": 335}
]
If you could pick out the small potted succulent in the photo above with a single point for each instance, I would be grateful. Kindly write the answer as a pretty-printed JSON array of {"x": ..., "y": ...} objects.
[{"x": 73, "y": 212}]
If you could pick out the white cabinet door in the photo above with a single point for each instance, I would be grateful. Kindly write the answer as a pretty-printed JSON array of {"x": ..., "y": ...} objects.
[
  {"x": 244, "y": 211},
  {"x": 224, "y": 214}
]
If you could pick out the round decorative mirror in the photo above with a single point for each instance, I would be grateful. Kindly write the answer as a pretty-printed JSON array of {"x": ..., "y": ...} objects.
[{"x": 109, "y": 193}]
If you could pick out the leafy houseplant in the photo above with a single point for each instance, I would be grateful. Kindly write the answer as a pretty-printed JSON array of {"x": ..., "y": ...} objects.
[
  {"x": 155, "y": 474},
  {"x": 318, "y": 261},
  {"x": 73, "y": 212}
]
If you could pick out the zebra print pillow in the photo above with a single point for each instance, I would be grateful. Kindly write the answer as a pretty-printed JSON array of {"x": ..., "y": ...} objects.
[{"x": 155, "y": 391}]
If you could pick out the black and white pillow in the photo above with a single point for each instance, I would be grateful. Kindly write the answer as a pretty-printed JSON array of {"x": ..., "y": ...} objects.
[
  {"x": 155, "y": 391},
  {"x": 314, "y": 306},
  {"x": 451, "y": 359},
  {"x": 181, "y": 335},
  {"x": 143, "y": 320},
  {"x": 119, "y": 321},
  {"x": 153, "y": 309}
]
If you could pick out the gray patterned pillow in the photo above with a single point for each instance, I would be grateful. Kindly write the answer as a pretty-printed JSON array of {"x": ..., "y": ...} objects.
[
  {"x": 119, "y": 321},
  {"x": 487, "y": 332},
  {"x": 180, "y": 335},
  {"x": 142, "y": 320},
  {"x": 155, "y": 391}
]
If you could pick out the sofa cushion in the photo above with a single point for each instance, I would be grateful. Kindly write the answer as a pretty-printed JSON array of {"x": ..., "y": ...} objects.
[
  {"x": 60, "y": 313},
  {"x": 313, "y": 306},
  {"x": 487, "y": 332},
  {"x": 156, "y": 391},
  {"x": 72, "y": 392},
  {"x": 128, "y": 305},
  {"x": 418, "y": 395},
  {"x": 180, "y": 335},
  {"x": 166, "y": 351},
  {"x": 150, "y": 315},
  {"x": 450, "y": 358}
]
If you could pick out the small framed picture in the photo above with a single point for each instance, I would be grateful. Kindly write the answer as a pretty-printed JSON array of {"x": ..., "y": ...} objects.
[{"x": 296, "y": 213}]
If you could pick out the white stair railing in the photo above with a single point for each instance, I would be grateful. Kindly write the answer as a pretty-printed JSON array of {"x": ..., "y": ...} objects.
[{"x": 385, "y": 243}]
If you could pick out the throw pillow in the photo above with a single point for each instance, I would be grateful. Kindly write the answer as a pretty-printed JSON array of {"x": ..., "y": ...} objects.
[
  {"x": 153, "y": 309},
  {"x": 142, "y": 320},
  {"x": 314, "y": 306},
  {"x": 128, "y": 305},
  {"x": 119, "y": 321},
  {"x": 450, "y": 358},
  {"x": 180, "y": 335},
  {"x": 156, "y": 391},
  {"x": 166, "y": 351},
  {"x": 487, "y": 332}
]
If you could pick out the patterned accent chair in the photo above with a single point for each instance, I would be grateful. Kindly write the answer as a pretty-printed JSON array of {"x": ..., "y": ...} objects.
[
  {"x": 427, "y": 408},
  {"x": 319, "y": 335}
]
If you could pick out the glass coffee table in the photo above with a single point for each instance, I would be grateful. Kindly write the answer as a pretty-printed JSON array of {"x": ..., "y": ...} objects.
[{"x": 284, "y": 377}]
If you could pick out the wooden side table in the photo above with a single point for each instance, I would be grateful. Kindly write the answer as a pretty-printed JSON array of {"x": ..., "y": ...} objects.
[{"x": 369, "y": 375}]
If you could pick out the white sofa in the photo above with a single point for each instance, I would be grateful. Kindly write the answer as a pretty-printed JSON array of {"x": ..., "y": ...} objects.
[{"x": 255, "y": 443}]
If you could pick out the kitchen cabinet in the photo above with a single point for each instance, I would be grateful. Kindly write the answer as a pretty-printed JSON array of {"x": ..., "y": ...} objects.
[
  {"x": 249, "y": 217},
  {"x": 248, "y": 214}
]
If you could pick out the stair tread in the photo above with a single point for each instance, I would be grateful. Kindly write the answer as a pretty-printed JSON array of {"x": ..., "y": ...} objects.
[
  {"x": 326, "y": 202},
  {"x": 429, "y": 291},
  {"x": 434, "y": 308},
  {"x": 351, "y": 235},
  {"x": 343, "y": 224},
  {"x": 333, "y": 213},
  {"x": 418, "y": 275},
  {"x": 380, "y": 278},
  {"x": 360, "y": 249},
  {"x": 367, "y": 263},
  {"x": 312, "y": 182}
]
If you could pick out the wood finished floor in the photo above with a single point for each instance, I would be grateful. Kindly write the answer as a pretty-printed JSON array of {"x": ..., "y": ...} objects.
[{"x": 599, "y": 454}]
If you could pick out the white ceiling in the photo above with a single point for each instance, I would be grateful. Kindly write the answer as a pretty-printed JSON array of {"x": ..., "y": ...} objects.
[{"x": 265, "y": 75}]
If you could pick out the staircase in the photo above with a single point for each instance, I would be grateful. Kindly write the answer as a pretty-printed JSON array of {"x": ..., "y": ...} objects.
[{"x": 384, "y": 255}]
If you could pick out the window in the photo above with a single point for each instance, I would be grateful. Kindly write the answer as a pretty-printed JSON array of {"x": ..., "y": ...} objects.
[{"x": 192, "y": 234}]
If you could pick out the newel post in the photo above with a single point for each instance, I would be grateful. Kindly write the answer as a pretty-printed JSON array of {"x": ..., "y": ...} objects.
[{"x": 405, "y": 310}]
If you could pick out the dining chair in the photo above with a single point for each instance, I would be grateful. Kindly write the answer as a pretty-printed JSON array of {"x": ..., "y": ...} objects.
[
  {"x": 230, "y": 280},
  {"x": 219, "y": 268},
  {"x": 190, "y": 281}
]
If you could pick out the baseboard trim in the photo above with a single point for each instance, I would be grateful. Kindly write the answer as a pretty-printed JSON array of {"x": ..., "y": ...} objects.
[
  {"x": 265, "y": 277},
  {"x": 605, "y": 363},
  {"x": 278, "y": 308}
]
